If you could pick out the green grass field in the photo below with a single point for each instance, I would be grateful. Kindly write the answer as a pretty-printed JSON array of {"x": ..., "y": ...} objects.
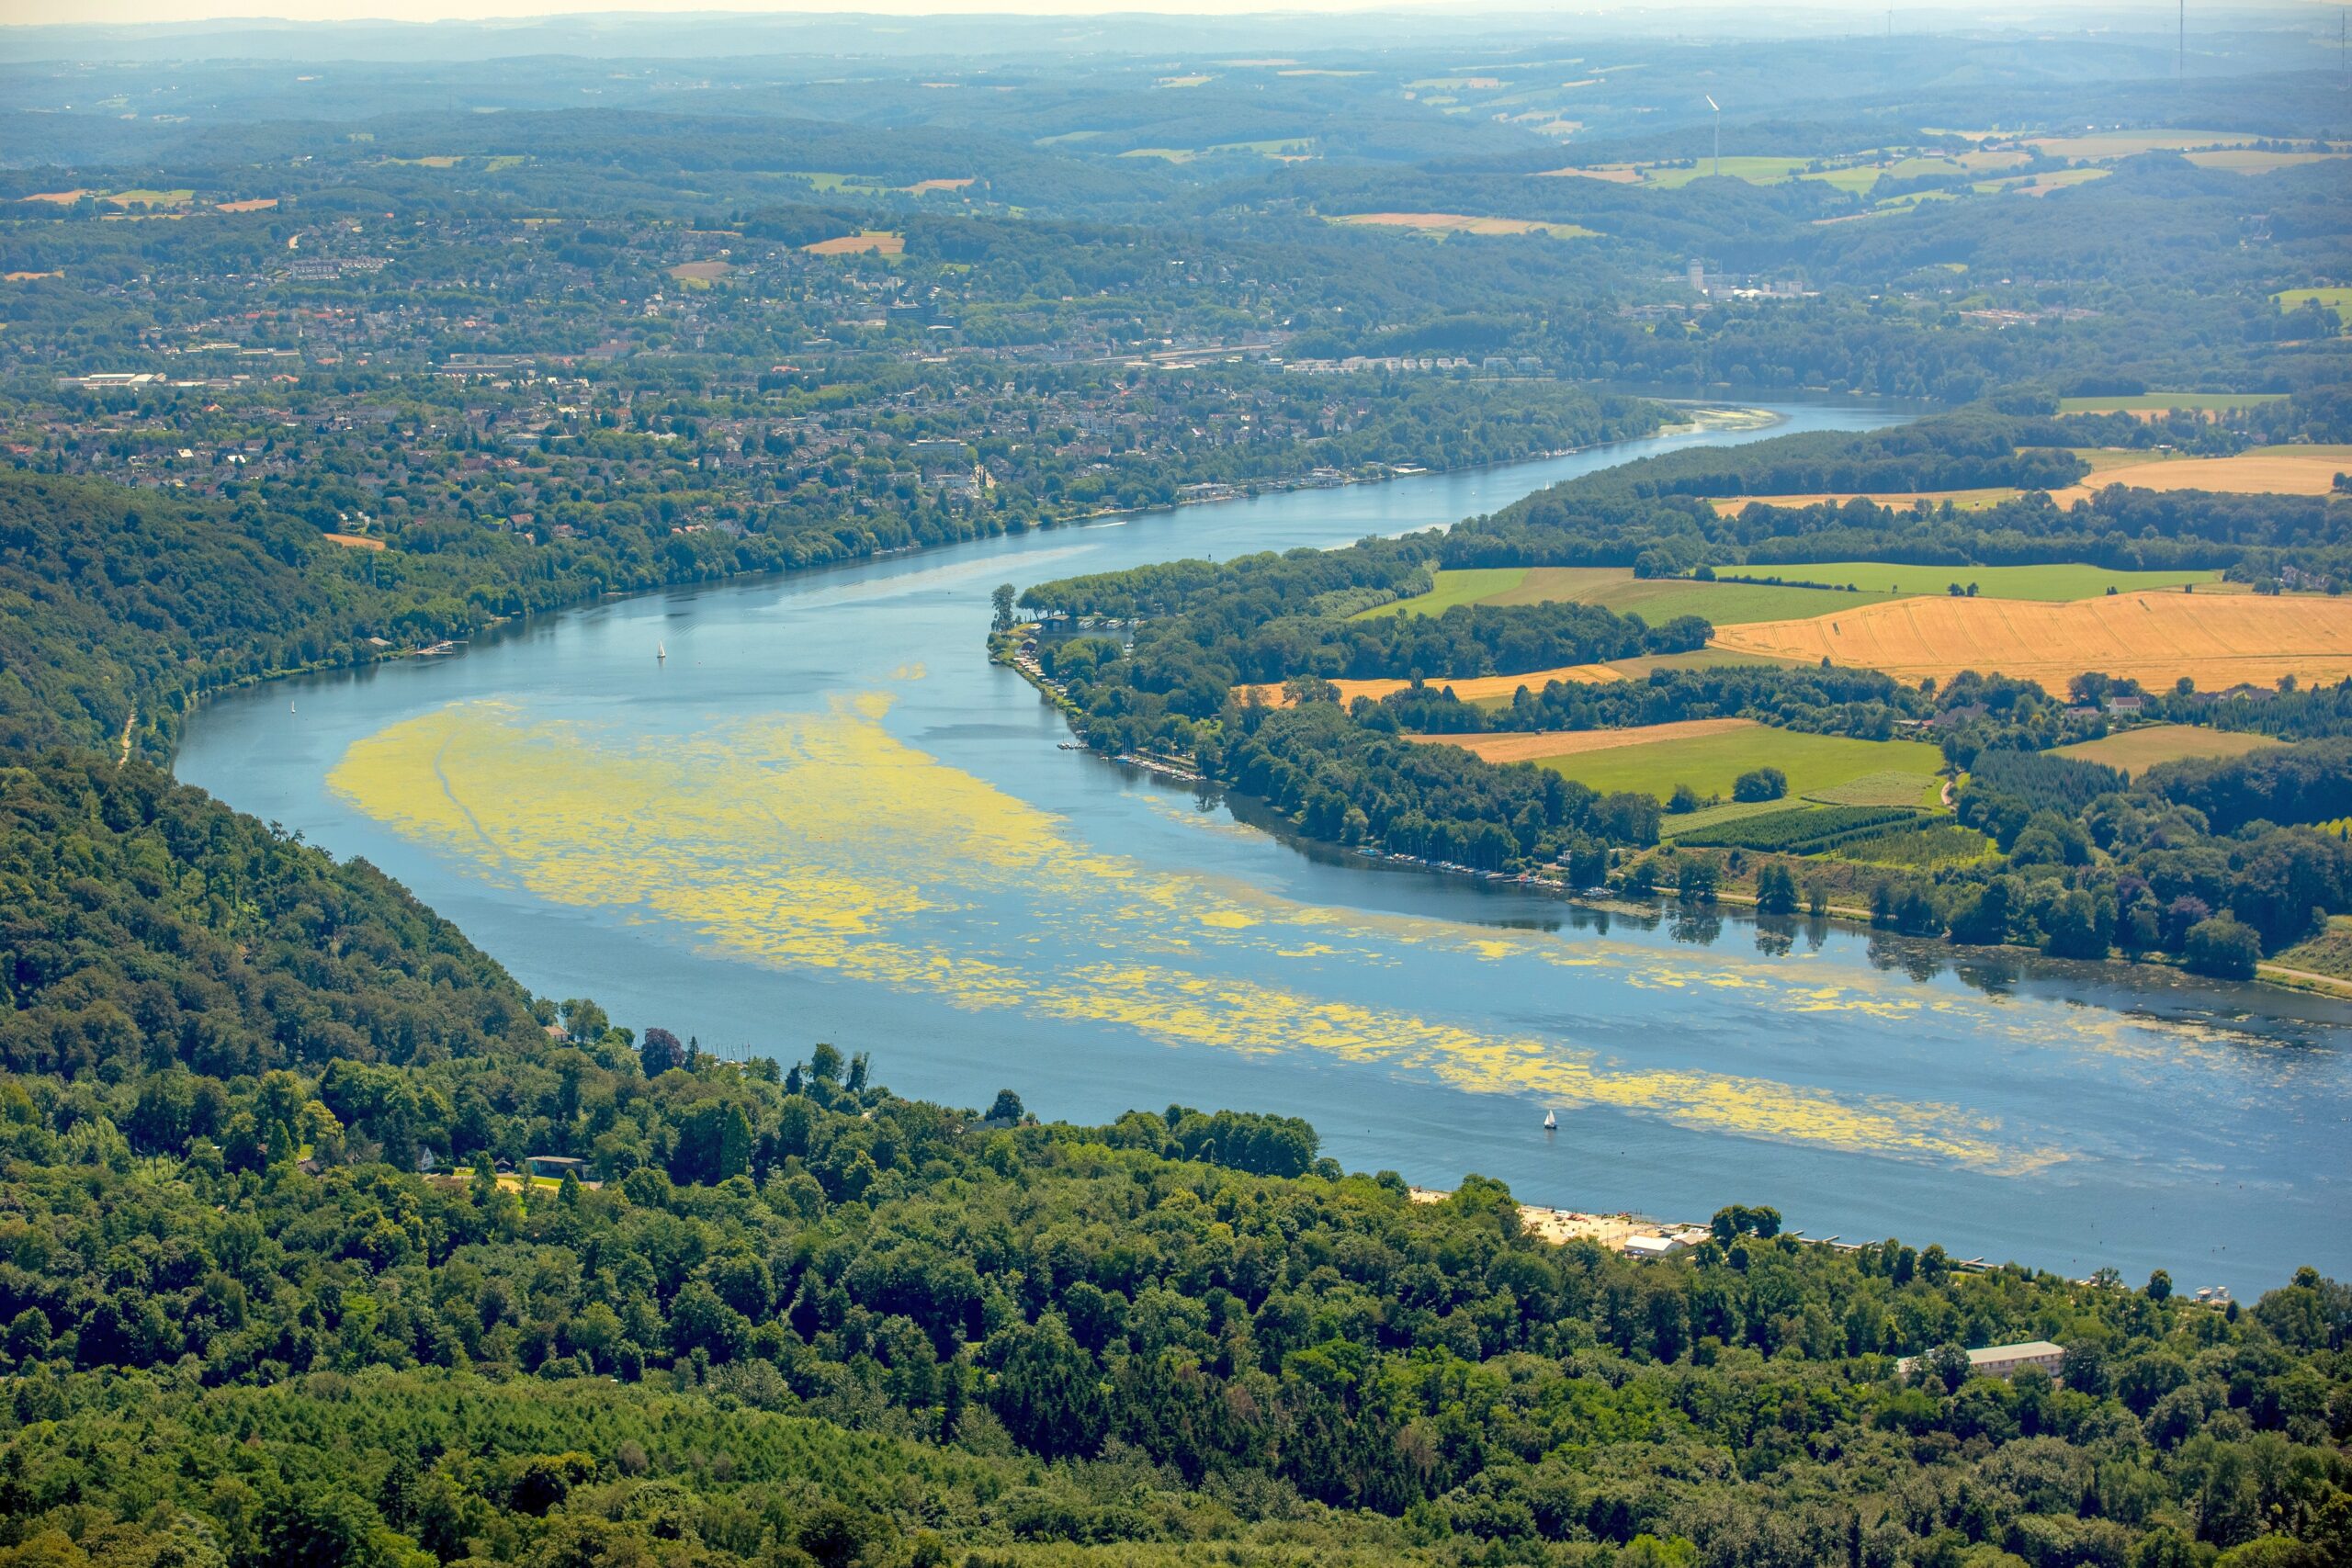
[
  {"x": 2056, "y": 582},
  {"x": 2149, "y": 402},
  {"x": 2136, "y": 751},
  {"x": 2337, "y": 299},
  {"x": 1894, "y": 788},
  {"x": 1470, "y": 586},
  {"x": 1709, "y": 763}
]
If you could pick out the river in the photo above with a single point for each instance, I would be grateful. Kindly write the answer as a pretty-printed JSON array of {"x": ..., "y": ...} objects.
[{"x": 825, "y": 817}]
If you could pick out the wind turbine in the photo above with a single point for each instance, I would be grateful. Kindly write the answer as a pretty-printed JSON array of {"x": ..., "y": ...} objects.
[{"x": 1719, "y": 131}]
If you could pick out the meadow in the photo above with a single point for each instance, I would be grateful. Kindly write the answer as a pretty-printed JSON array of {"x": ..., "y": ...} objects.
[
  {"x": 1709, "y": 762},
  {"x": 2057, "y": 581},
  {"x": 2136, "y": 751},
  {"x": 2165, "y": 402},
  {"x": 2338, "y": 300}
]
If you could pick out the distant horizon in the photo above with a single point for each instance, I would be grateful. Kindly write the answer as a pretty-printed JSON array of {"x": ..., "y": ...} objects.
[{"x": 19, "y": 14}]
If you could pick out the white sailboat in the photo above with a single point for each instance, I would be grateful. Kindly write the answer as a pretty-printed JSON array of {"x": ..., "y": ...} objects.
[
  {"x": 661, "y": 653},
  {"x": 1551, "y": 1122}
]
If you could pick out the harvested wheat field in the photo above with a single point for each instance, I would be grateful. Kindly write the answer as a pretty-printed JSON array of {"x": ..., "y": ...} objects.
[
  {"x": 1463, "y": 223},
  {"x": 2217, "y": 641},
  {"x": 1966, "y": 499},
  {"x": 1531, "y": 748},
  {"x": 2269, "y": 472},
  {"x": 877, "y": 240},
  {"x": 1468, "y": 688}
]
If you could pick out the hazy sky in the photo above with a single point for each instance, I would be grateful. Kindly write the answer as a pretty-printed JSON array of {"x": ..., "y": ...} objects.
[{"x": 19, "y": 12}]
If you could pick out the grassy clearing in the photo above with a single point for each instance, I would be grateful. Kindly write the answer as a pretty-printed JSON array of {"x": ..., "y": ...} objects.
[
  {"x": 1710, "y": 764},
  {"x": 2054, "y": 582},
  {"x": 2247, "y": 160},
  {"x": 2130, "y": 144},
  {"x": 2162, "y": 403},
  {"x": 142, "y": 197},
  {"x": 2337, "y": 299},
  {"x": 1472, "y": 586},
  {"x": 1895, "y": 787},
  {"x": 2135, "y": 750},
  {"x": 1755, "y": 171}
]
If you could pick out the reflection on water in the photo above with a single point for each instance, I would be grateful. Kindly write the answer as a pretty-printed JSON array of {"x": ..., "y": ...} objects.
[{"x": 825, "y": 817}]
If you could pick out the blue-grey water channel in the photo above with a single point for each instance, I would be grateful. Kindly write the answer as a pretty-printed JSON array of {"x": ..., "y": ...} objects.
[{"x": 819, "y": 813}]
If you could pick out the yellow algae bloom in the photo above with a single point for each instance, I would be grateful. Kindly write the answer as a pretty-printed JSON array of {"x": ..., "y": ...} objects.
[{"x": 821, "y": 842}]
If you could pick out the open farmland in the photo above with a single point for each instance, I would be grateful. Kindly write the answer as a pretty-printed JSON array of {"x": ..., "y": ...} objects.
[
  {"x": 2165, "y": 402},
  {"x": 2131, "y": 143},
  {"x": 2249, "y": 161},
  {"x": 1462, "y": 223},
  {"x": 1468, "y": 688},
  {"x": 1656, "y": 600},
  {"x": 2136, "y": 751},
  {"x": 2270, "y": 471},
  {"x": 1539, "y": 748},
  {"x": 1472, "y": 585},
  {"x": 2217, "y": 641},
  {"x": 2058, "y": 582},
  {"x": 878, "y": 241},
  {"x": 1709, "y": 754},
  {"x": 1964, "y": 500},
  {"x": 2337, "y": 299}
]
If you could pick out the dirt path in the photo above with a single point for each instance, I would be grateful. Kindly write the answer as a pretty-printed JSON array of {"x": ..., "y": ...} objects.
[
  {"x": 129, "y": 719},
  {"x": 2325, "y": 982}
]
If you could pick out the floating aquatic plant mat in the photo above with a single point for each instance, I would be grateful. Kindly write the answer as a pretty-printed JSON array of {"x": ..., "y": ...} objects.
[{"x": 820, "y": 843}]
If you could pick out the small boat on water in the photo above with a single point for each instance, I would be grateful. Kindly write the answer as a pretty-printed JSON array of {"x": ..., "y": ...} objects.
[
  {"x": 661, "y": 653},
  {"x": 1551, "y": 1122}
]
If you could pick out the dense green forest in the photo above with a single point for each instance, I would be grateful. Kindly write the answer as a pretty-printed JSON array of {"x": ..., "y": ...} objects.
[
  {"x": 789, "y": 1316},
  {"x": 325, "y": 1243}
]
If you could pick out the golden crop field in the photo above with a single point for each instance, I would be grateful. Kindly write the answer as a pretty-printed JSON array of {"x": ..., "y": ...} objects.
[
  {"x": 700, "y": 271},
  {"x": 2217, "y": 641},
  {"x": 1462, "y": 223},
  {"x": 1469, "y": 688},
  {"x": 1532, "y": 746},
  {"x": 1966, "y": 500},
  {"x": 2136, "y": 751},
  {"x": 255, "y": 204},
  {"x": 2271, "y": 471},
  {"x": 877, "y": 240}
]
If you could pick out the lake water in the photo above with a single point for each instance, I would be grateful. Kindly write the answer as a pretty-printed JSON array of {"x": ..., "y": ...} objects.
[{"x": 826, "y": 817}]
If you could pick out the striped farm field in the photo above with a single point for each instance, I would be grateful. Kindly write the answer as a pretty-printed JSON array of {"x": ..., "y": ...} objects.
[
  {"x": 2271, "y": 470},
  {"x": 2215, "y": 639},
  {"x": 2136, "y": 751},
  {"x": 1537, "y": 748}
]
